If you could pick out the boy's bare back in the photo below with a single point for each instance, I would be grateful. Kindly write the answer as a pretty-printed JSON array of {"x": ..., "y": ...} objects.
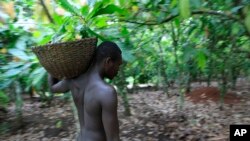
[{"x": 99, "y": 101}]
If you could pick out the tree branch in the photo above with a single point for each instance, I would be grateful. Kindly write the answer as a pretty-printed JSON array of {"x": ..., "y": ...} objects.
[
  {"x": 46, "y": 11},
  {"x": 196, "y": 12},
  {"x": 216, "y": 13}
]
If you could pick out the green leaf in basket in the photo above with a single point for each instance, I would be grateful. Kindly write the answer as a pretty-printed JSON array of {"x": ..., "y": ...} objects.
[
  {"x": 85, "y": 10},
  {"x": 60, "y": 34},
  {"x": 100, "y": 22},
  {"x": 97, "y": 6},
  {"x": 96, "y": 34},
  {"x": 45, "y": 39},
  {"x": 84, "y": 32},
  {"x": 69, "y": 7}
]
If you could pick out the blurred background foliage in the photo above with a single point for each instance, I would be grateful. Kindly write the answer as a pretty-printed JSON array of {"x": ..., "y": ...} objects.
[{"x": 164, "y": 42}]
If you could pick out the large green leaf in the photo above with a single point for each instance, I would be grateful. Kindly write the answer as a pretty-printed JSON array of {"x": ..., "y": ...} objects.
[
  {"x": 58, "y": 19},
  {"x": 4, "y": 83},
  {"x": 19, "y": 54},
  {"x": 94, "y": 10},
  {"x": 109, "y": 9},
  {"x": 45, "y": 39},
  {"x": 127, "y": 55},
  {"x": 11, "y": 65},
  {"x": 12, "y": 72},
  {"x": 96, "y": 34},
  {"x": 236, "y": 9},
  {"x": 21, "y": 42},
  {"x": 123, "y": 2},
  {"x": 173, "y": 3},
  {"x": 100, "y": 22},
  {"x": 85, "y": 10},
  {"x": 201, "y": 59},
  {"x": 195, "y": 3},
  {"x": 37, "y": 76},
  {"x": 247, "y": 21}
]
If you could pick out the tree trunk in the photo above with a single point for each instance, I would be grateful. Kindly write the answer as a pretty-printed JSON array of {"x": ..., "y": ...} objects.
[
  {"x": 122, "y": 88},
  {"x": 75, "y": 113},
  {"x": 223, "y": 88},
  {"x": 180, "y": 79},
  {"x": 18, "y": 104},
  {"x": 163, "y": 71},
  {"x": 125, "y": 103}
]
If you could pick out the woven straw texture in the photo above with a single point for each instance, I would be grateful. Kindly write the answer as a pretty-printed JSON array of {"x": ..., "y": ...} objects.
[{"x": 67, "y": 59}]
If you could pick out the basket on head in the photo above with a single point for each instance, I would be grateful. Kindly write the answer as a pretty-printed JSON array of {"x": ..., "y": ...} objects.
[{"x": 67, "y": 59}]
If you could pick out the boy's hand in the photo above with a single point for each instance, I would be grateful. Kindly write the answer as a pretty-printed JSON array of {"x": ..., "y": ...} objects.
[{"x": 56, "y": 85}]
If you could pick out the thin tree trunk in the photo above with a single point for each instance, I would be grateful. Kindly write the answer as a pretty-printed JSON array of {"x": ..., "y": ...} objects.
[
  {"x": 209, "y": 75},
  {"x": 126, "y": 103},
  {"x": 234, "y": 78},
  {"x": 18, "y": 103},
  {"x": 163, "y": 71},
  {"x": 234, "y": 70},
  {"x": 188, "y": 84},
  {"x": 223, "y": 88},
  {"x": 180, "y": 77},
  {"x": 122, "y": 88},
  {"x": 75, "y": 114}
]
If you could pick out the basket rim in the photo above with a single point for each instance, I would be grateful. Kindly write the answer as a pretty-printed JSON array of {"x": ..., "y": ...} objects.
[{"x": 61, "y": 43}]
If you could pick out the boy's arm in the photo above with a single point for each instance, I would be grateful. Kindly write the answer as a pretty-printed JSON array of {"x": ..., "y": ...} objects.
[
  {"x": 57, "y": 86},
  {"x": 109, "y": 114}
]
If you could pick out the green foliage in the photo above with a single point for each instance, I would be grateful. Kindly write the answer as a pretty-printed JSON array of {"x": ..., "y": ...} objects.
[
  {"x": 109, "y": 9},
  {"x": 201, "y": 59},
  {"x": 59, "y": 124},
  {"x": 184, "y": 8},
  {"x": 4, "y": 99},
  {"x": 4, "y": 127},
  {"x": 159, "y": 39},
  {"x": 247, "y": 19}
]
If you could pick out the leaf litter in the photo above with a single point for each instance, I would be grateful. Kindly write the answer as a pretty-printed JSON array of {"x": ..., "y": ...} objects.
[{"x": 154, "y": 117}]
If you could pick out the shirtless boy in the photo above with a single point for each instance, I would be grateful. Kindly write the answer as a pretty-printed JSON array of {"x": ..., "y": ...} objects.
[{"x": 96, "y": 101}]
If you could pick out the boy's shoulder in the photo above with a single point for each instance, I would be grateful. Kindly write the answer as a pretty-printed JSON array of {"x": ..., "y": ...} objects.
[
  {"x": 106, "y": 93},
  {"x": 106, "y": 89}
]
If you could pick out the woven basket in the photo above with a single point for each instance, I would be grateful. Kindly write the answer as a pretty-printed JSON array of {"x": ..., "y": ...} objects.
[{"x": 67, "y": 59}]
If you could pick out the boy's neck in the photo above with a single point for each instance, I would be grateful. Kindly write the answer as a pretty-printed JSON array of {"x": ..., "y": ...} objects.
[{"x": 97, "y": 71}]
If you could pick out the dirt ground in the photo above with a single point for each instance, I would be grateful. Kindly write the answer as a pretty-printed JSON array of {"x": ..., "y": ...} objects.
[
  {"x": 212, "y": 94},
  {"x": 154, "y": 117}
]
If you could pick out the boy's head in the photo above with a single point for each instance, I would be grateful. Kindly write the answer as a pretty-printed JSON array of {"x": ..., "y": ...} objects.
[{"x": 108, "y": 54}]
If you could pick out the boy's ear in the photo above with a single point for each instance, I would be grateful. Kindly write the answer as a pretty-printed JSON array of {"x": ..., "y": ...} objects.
[{"x": 107, "y": 60}]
